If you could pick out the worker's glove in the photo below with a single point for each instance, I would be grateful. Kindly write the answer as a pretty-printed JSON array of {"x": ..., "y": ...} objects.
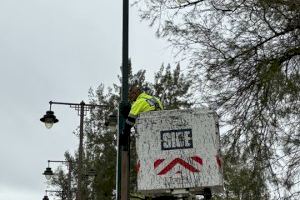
[
  {"x": 126, "y": 130},
  {"x": 125, "y": 136},
  {"x": 125, "y": 109}
]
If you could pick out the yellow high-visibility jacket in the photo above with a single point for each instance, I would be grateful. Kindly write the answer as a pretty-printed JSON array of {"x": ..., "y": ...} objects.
[{"x": 143, "y": 103}]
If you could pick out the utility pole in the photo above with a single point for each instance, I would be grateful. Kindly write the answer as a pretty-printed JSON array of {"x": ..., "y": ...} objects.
[{"x": 123, "y": 140}]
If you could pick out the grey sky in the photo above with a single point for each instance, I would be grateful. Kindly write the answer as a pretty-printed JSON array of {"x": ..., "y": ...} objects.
[{"x": 56, "y": 50}]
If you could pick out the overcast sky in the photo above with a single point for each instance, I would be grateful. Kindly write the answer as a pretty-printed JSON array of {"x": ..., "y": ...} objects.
[{"x": 56, "y": 50}]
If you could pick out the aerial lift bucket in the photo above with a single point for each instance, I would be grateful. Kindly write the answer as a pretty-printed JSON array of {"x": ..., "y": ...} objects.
[{"x": 179, "y": 153}]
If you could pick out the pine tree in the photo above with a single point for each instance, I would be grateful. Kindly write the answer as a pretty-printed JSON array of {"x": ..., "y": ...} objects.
[{"x": 172, "y": 88}]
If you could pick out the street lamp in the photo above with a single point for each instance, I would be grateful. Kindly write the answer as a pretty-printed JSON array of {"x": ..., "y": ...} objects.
[
  {"x": 112, "y": 121},
  {"x": 49, "y": 173},
  {"x": 91, "y": 173},
  {"x": 49, "y": 119},
  {"x": 45, "y": 197},
  {"x": 54, "y": 191}
]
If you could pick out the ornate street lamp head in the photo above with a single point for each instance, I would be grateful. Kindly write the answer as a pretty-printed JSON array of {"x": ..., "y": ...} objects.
[
  {"x": 112, "y": 121},
  {"x": 48, "y": 173},
  {"x": 91, "y": 172},
  {"x": 49, "y": 119},
  {"x": 45, "y": 197}
]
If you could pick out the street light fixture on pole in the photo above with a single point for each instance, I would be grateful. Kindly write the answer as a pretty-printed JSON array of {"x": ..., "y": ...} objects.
[
  {"x": 52, "y": 191},
  {"x": 91, "y": 173},
  {"x": 49, "y": 119},
  {"x": 49, "y": 173}
]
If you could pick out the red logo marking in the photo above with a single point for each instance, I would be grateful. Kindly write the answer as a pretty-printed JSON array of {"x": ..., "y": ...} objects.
[
  {"x": 158, "y": 162},
  {"x": 179, "y": 161},
  {"x": 219, "y": 161},
  {"x": 198, "y": 159},
  {"x": 137, "y": 167}
]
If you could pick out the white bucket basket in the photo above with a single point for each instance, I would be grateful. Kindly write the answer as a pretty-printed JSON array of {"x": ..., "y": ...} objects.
[{"x": 178, "y": 149}]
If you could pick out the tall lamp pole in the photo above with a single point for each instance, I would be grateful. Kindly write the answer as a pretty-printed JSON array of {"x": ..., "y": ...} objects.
[
  {"x": 123, "y": 147},
  {"x": 49, "y": 119}
]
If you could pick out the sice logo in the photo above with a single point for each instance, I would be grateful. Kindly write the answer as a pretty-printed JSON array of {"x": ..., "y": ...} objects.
[{"x": 176, "y": 139}]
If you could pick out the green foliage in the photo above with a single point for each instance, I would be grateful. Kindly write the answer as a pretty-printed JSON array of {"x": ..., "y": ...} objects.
[
  {"x": 61, "y": 178},
  {"x": 101, "y": 144},
  {"x": 242, "y": 181},
  {"x": 244, "y": 58},
  {"x": 172, "y": 87}
]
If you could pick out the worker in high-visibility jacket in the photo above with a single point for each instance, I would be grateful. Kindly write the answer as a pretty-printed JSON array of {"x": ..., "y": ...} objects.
[{"x": 142, "y": 102}]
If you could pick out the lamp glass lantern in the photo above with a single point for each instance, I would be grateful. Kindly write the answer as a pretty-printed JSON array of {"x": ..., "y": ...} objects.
[
  {"x": 49, "y": 119},
  {"x": 48, "y": 173},
  {"x": 92, "y": 172},
  {"x": 112, "y": 121}
]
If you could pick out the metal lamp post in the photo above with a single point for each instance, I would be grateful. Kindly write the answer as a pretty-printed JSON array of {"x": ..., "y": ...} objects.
[
  {"x": 49, "y": 173},
  {"x": 49, "y": 119},
  {"x": 123, "y": 156}
]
